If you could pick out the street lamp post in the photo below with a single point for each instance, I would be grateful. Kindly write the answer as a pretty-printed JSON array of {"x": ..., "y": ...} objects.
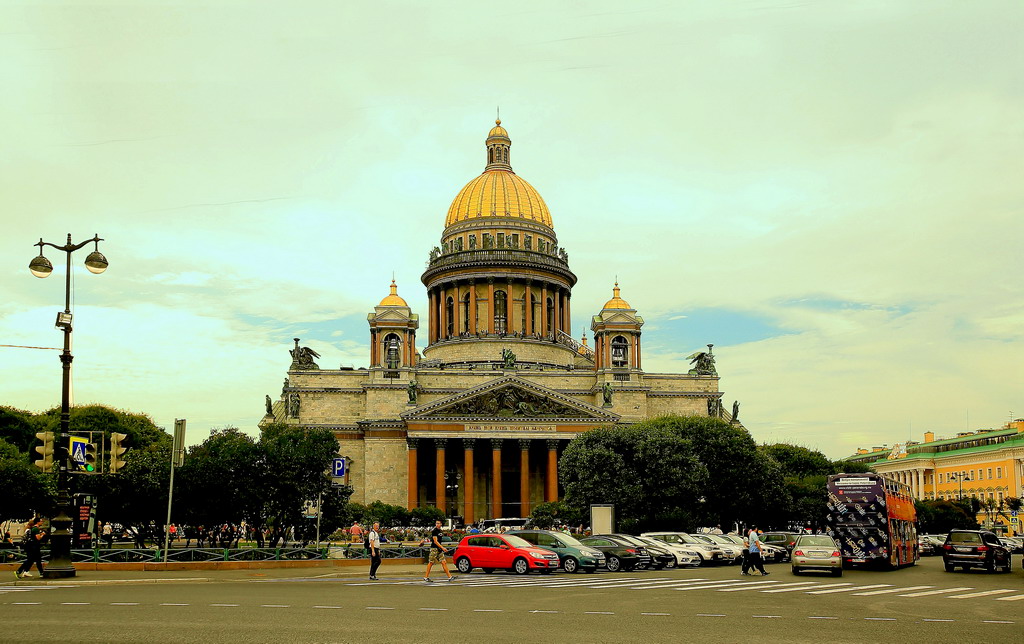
[
  {"x": 962, "y": 476},
  {"x": 60, "y": 525}
]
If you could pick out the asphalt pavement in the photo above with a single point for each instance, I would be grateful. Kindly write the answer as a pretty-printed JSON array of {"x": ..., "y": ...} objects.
[{"x": 920, "y": 603}]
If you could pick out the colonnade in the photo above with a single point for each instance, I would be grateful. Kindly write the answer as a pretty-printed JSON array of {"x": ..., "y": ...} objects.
[
  {"x": 914, "y": 479},
  {"x": 439, "y": 447},
  {"x": 524, "y": 307}
]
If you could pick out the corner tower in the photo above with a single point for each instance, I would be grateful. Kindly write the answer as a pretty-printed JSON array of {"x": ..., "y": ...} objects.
[{"x": 499, "y": 280}]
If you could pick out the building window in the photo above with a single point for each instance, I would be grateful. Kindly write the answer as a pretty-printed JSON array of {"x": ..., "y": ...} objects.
[
  {"x": 466, "y": 312},
  {"x": 449, "y": 309},
  {"x": 472, "y": 242},
  {"x": 999, "y": 472},
  {"x": 500, "y": 312},
  {"x": 620, "y": 351},
  {"x": 392, "y": 351},
  {"x": 528, "y": 242},
  {"x": 458, "y": 244},
  {"x": 534, "y": 311},
  {"x": 501, "y": 240},
  {"x": 990, "y": 473},
  {"x": 551, "y": 316},
  {"x": 515, "y": 241}
]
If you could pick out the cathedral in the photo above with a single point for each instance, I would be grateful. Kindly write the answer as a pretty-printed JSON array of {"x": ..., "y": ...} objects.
[{"x": 474, "y": 424}]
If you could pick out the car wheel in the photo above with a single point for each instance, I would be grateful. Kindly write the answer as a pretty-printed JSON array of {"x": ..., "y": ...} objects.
[
  {"x": 488, "y": 570},
  {"x": 614, "y": 564},
  {"x": 703, "y": 561},
  {"x": 521, "y": 566},
  {"x": 949, "y": 567},
  {"x": 571, "y": 565},
  {"x": 464, "y": 566},
  {"x": 838, "y": 572},
  {"x": 990, "y": 565},
  {"x": 796, "y": 571}
]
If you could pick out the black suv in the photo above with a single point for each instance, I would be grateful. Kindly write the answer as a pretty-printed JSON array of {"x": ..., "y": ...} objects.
[
  {"x": 975, "y": 549},
  {"x": 782, "y": 540}
]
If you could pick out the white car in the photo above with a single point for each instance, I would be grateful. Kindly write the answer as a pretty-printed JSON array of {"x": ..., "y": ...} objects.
[
  {"x": 685, "y": 557},
  {"x": 732, "y": 552},
  {"x": 708, "y": 552}
]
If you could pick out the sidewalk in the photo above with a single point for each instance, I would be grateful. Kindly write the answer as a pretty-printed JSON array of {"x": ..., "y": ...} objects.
[{"x": 149, "y": 576}]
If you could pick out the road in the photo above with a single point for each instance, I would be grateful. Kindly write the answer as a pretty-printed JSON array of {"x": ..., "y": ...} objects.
[{"x": 922, "y": 603}]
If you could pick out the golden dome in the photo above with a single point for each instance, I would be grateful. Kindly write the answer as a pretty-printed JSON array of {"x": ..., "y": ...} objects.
[
  {"x": 498, "y": 192},
  {"x": 616, "y": 302},
  {"x": 393, "y": 299}
]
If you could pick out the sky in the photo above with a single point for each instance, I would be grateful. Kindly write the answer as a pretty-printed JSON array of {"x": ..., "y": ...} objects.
[{"x": 829, "y": 192}]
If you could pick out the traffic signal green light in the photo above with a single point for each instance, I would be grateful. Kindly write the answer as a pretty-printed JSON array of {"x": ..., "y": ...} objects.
[
  {"x": 117, "y": 451},
  {"x": 45, "y": 451},
  {"x": 90, "y": 458}
]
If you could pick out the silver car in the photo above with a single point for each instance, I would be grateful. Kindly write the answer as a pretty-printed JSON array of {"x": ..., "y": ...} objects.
[
  {"x": 709, "y": 552},
  {"x": 685, "y": 557},
  {"x": 731, "y": 552},
  {"x": 817, "y": 552}
]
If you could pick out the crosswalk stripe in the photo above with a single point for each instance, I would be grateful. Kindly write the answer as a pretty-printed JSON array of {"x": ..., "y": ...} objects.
[
  {"x": 751, "y": 585},
  {"x": 606, "y": 583},
  {"x": 936, "y": 592},
  {"x": 639, "y": 584},
  {"x": 795, "y": 586},
  {"x": 893, "y": 590},
  {"x": 661, "y": 586},
  {"x": 845, "y": 590},
  {"x": 1014, "y": 598},
  {"x": 704, "y": 587},
  {"x": 984, "y": 593}
]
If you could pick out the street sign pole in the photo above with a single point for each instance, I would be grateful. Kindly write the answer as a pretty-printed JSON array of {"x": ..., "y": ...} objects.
[{"x": 177, "y": 456}]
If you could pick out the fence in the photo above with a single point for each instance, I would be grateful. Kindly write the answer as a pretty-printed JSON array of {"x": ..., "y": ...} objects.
[{"x": 156, "y": 555}]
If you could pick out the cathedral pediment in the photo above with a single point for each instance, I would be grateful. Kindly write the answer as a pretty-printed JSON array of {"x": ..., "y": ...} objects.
[{"x": 508, "y": 398}]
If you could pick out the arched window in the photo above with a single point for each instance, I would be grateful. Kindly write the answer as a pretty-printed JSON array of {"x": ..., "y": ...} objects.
[
  {"x": 620, "y": 351},
  {"x": 551, "y": 316},
  {"x": 500, "y": 312},
  {"x": 449, "y": 318},
  {"x": 534, "y": 312},
  {"x": 392, "y": 351},
  {"x": 466, "y": 312}
]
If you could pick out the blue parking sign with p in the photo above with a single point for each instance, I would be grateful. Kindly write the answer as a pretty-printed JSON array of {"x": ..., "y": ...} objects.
[{"x": 338, "y": 468}]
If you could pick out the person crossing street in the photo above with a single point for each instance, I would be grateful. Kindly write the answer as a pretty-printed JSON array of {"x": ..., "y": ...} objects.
[
  {"x": 437, "y": 553},
  {"x": 375, "y": 554}
]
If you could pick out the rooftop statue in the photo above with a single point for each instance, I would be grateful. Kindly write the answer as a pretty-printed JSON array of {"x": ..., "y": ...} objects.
[
  {"x": 703, "y": 363},
  {"x": 302, "y": 358}
]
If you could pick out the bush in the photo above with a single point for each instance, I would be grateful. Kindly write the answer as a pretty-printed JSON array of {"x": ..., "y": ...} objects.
[{"x": 423, "y": 517}]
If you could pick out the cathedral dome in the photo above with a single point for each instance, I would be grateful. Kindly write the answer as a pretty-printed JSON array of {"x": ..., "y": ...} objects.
[
  {"x": 616, "y": 302},
  {"x": 394, "y": 299},
  {"x": 498, "y": 192}
]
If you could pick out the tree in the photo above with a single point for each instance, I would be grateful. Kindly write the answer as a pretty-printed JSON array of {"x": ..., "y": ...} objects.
[
  {"x": 220, "y": 481},
  {"x": 647, "y": 470},
  {"x": 18, "y": 428},
  {"x": 425, "y": 516},
  {"x": 548, "y": 515},
  {"x": 941, "y": 516},
  {"x": 804, "y": 472},
  {"x": 26, "y": 490}
]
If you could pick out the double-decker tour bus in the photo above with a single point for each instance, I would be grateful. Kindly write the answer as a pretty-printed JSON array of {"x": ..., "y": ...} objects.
[{"x": 873, "y": 519}]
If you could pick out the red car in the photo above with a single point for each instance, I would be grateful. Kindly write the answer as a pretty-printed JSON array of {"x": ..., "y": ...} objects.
[{"x": 505, "y": 551}]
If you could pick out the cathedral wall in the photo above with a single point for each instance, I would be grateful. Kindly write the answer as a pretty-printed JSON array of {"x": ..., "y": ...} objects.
[
  {"x": 386, "y": 403},
  {"x": 680, "y": 382},
  {"x": 680, "y": 406},
  {"x": 490, "y": 349},
  {"x": 331, "y": 407},
  {"x": 386, "y": 476}
]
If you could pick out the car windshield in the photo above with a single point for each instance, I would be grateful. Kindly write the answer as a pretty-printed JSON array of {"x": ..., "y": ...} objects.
[
  {"x": 816, "y": 541},
  {"x": 734, "y": 539},
  {"x": 701, "y": 538},
  {"x": 630, "y": 540},
  {"x": 720, "y": 538},
  {"x": 518, "y": 542},
  {"x": 670, "y": 538},
  {"x": 572, "y": 542}
]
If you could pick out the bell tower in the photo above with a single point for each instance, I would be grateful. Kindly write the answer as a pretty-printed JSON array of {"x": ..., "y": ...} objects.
[
  {"x": 393, "y": 333},
  {"x": 617, "y": 336}
]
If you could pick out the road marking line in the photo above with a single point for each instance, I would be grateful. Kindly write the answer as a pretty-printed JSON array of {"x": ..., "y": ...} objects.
[
  {"x": 936, "y": 592},
  {"x": 327, "y": 607},
  {"x": 596, "y": 583},
  {"x": 274, "y": 605},
  {"x": 938, "y": 620},
  {"x": 629, "y": 581},
  {"x": 74, "y": 603},
  {"x": 817, "y": 617},
  {"x": 846, "y": 590},
  {"x": 224, "y": 605},
  {"x": 666, "y": 615},
  {"x": 892, "y": 590},
  {"x": 488, "y": 610},
  {"x": 795, "y": 587},
  {"x": 174, "y": 604},
  {"x": 433, "y": 609},
  {"x": 705, "y": 614},
  {"x": 379, "y": 608},
  {"x": 654, "y": 585},
  {"x": 880, "y": 619},
  {"x": 26, "y": 603},
  {"x": 996, "y": 621},
  {"x": 983, "y": 593},
  {"x": 750, "y": 585},
  {"x": 124, "y": 603},
  {"x": 598, "y": 612},
  {"x": 1015, "y": 598},
  {"x": 544, "y": 611},
  {"x": 767, "y": 616},
  {"x": 702, "y": 586}
]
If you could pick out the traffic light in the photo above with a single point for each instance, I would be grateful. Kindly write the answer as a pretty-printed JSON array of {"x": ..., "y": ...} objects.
[
  {"x": 46, "y": 451},
  {"x": 117, "y": 451},
  {"x": 90, "y": 458}
]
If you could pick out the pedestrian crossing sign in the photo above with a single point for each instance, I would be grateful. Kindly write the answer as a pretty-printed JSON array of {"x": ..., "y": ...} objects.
[{"x": 76, "y": 448}]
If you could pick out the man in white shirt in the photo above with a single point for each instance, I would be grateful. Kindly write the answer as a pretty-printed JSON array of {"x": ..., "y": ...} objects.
[
  {"x": 754, "y": 544},
  {"x": 375, "y": 556}
]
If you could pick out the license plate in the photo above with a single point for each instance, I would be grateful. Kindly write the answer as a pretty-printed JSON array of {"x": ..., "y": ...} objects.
[
  {"x": 817, "y": 555},
  {"x": 959, "y": 549}
]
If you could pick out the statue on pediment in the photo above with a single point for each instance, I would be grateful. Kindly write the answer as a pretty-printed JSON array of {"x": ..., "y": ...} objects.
[{"x": 302, "y": 358}]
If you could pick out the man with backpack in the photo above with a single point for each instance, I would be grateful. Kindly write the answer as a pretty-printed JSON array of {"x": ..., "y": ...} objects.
[
  {"x": 372, "y": 544},
  {"x": 32, "y": 543}
]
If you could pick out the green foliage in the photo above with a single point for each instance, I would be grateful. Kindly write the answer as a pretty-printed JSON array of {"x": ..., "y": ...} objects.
[
  {"x": 941, "y": 516},
  {"x": 548, "y": 515},
  {"x": 425, "y": 516},
  {"x": 804, "y": 496},
  {"x": 849, "y": 467},
  {"x": 26, "y": 490},
  {"x": 18, "y": 428},
  {"x": 296, "y": 464},
  {"x": 388, "y": 515},
  {"x": 220, "y": 481}
]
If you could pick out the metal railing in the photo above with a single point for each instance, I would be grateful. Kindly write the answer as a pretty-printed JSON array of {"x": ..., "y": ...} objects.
[{"x": 155, "y": 555}]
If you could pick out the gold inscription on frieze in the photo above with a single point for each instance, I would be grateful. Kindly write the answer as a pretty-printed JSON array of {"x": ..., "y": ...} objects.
[{"x": 510, "y": 428}]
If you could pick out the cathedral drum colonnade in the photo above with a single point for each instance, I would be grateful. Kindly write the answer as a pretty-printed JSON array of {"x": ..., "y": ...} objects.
[{"x": 474, "y": 425}]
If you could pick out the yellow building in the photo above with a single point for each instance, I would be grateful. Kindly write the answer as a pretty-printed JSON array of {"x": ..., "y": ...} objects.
[{"x": 987, "y": 464}]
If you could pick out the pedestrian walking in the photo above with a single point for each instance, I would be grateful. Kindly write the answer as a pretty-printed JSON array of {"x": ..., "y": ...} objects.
[
  {"x": 437, "y": 553},
  {"x": 375, "y": 554},
  {"x": 754, "y": 546},
  {"x": 32, "y": 542},
  {"x": 745, "y": 570},
  {"x": 108, "y": 534}
]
